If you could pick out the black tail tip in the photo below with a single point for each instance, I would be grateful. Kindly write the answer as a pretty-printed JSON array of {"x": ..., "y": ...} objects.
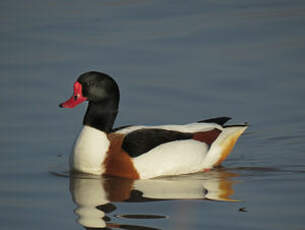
[{"x": 217, "y": 120}]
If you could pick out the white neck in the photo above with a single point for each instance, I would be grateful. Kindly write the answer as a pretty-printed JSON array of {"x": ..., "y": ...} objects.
[{"x": 89, "y": 151}]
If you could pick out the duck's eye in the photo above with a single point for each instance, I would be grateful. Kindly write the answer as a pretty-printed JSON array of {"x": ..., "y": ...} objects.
[{"x": 75, "y": 97}]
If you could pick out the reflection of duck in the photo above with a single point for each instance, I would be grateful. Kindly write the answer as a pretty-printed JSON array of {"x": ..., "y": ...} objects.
[
  {"x": 142, "y": 151},
  {"x": 93, "y": 195}
]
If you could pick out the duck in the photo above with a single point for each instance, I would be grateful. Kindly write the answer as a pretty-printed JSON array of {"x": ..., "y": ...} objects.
[{"x": 142, "y": 151}]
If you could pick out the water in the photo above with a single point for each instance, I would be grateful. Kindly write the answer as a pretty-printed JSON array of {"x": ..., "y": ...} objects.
[{"x": 175, "y": 62}]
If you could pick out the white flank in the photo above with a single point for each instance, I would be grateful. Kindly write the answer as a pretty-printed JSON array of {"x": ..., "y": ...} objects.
[
  {"x": 89, "y": 151},
  {"x": 172, "y": 158}
]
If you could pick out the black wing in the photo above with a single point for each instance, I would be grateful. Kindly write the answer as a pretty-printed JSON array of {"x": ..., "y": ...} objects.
[{"x": 143, "y": 140}]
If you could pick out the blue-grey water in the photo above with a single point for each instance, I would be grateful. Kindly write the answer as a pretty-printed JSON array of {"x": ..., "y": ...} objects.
[{"x": 175, "y": 62}]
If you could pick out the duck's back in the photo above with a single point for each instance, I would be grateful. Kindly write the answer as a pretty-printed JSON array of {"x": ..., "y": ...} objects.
[{"x": 178, "y": 149}]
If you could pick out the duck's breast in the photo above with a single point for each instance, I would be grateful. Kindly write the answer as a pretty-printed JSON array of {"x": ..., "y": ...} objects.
[{"x": 89, "y": 151}]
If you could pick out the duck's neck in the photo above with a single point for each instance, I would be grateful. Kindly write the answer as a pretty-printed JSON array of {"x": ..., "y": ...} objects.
[{"x": 101, "y": 116}]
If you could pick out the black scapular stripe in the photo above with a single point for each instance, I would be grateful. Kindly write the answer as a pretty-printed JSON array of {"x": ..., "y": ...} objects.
[{"x": 143, "y": 140}]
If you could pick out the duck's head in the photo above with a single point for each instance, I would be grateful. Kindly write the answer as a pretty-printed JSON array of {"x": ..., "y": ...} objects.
[
  {"x": 103, "y": 95},
  {"x": 95, "y": 87}
]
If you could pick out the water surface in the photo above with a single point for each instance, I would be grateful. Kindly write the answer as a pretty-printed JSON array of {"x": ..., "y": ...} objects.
[{"x": 175, "y": 62}]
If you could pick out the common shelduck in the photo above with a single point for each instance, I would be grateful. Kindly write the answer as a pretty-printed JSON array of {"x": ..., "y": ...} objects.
[{"x": 142, "y": 151}]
